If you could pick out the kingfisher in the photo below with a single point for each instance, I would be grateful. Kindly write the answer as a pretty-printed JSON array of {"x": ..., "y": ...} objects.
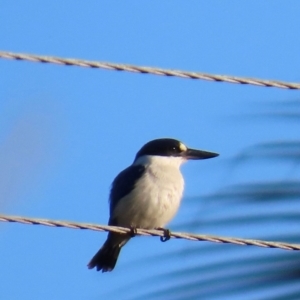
[{"x": 146, "y": 195}]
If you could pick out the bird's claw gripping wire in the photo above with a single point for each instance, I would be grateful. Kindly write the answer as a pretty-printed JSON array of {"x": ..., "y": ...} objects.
[
  {"x": 133, "y": 231},
  {"x": 167, "y": 234}
]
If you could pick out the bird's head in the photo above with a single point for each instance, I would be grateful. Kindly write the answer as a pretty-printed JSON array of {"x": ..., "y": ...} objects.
[{"x": 171, "y": 150}]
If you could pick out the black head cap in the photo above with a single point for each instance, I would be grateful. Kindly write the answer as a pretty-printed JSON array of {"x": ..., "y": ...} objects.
[{"x": 162, "y": 147}]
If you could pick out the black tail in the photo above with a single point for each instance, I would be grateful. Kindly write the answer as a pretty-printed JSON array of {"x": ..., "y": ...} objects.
[{"x": 106, "y": 258}]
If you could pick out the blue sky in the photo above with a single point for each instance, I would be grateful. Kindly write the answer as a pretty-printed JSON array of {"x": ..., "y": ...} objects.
[{"x": 65, "y": 132}]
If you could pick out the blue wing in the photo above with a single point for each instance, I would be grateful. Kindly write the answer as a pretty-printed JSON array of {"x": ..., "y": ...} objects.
[{"x": 123, "y": 184}]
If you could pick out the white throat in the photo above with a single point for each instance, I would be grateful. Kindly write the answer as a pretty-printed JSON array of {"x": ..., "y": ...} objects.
[{"x": 160, "y": 161}]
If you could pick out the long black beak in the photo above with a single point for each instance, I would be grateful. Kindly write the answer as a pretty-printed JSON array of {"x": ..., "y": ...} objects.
[{"x": 199, "y": 154}]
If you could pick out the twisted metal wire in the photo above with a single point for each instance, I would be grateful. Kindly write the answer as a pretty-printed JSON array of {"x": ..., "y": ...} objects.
[
  {"x": 153, "y": 232},
  {"x": 148, "y": 70}
]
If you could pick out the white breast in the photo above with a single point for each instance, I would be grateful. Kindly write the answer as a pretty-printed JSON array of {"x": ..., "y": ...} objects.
[{"x": 156, "y": 199}]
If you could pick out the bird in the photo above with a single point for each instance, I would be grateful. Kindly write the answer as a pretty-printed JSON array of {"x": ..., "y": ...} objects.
[{"x": 146, "y": 195}]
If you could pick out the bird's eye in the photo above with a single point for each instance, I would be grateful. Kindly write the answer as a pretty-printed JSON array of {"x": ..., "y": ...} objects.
[{"x": 175, "y": 149}]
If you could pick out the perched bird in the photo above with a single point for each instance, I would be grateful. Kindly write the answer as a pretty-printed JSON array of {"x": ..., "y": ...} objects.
[{"x": 145, "y": 195}]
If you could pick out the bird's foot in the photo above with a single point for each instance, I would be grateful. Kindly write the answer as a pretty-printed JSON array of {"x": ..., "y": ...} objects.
[
  {"x": 133, "y": 231},
  {"x": 167, "y": 234}
]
